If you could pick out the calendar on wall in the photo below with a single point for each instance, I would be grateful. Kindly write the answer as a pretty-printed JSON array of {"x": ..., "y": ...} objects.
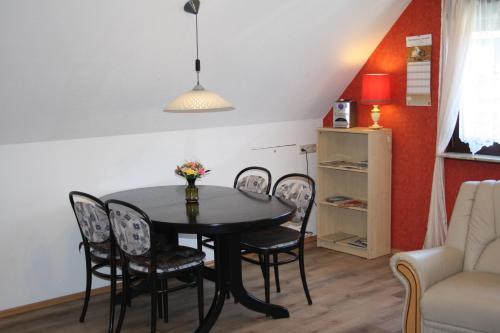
[{"x": 418, "y": 76}]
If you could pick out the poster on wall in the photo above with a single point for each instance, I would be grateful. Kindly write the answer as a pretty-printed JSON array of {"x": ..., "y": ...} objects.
[{"x": 418, "y": 76}]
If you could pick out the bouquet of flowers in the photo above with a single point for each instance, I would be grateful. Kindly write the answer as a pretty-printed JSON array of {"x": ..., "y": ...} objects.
[{"x": 191, "y": 170}]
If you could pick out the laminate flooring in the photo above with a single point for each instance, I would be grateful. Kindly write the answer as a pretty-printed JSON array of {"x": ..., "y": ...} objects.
[{"x": 350, "y": 295}]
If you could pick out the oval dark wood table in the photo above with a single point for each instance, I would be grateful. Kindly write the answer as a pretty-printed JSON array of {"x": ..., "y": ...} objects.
[{"x": 224, "y": 213}]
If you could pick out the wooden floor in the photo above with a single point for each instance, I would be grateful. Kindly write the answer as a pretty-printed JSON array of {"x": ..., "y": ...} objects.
[{"x": 349, "y": 294}]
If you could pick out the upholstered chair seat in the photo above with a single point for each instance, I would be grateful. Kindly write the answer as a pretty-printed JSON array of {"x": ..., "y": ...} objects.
[
  {"x": 271, "y": 238},
  {"x": 456, "y": 287},
  {"x": 466, "y": 300},
  {"x": 169, "y": 260}
]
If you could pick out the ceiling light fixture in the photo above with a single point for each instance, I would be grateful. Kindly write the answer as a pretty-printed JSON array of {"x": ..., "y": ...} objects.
[{"x": 198, "y": 99}]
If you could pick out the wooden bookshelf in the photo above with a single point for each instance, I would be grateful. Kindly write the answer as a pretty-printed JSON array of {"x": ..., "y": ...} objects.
[{"x": 371, "y": 184}]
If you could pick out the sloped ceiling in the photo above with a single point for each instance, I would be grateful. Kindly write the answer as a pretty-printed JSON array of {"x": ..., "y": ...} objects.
[{"x": 74, "y": 69}]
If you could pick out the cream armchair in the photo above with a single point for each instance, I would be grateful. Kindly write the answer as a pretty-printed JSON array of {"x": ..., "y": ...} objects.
[{"x": 456, "y": 287}]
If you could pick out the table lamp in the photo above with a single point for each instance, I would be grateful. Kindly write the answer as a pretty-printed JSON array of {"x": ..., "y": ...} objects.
[{"x": 375, "y": 90}]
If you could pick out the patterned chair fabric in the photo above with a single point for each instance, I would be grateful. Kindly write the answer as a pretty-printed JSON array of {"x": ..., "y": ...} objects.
[
  {"x": 92, "y": 219},
  {"x": 131, "y": 230},
  {"x": 101, "y": 251},
  {"x": 168, "y": 260},
  {"x": 296, "y": 190},
  {"x": 252, "y": 183}
]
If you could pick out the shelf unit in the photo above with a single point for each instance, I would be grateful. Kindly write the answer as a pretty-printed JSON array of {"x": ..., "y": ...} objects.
[{"x": 338, "y": 225}]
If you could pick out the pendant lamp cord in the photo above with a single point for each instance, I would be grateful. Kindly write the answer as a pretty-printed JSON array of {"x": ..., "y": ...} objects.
[{"x": 197, "y": 62}]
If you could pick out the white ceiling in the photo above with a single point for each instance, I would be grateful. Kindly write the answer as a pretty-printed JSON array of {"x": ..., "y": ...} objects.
[{"x": 73, "y": 68}]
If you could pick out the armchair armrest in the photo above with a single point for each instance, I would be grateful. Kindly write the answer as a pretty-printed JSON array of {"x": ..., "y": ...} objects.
[
  {"x": 431, "y": 265},
  {"x": 418, "y": 271}
]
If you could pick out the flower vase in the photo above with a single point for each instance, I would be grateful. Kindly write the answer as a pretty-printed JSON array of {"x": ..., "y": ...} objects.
[
  {"x": 192, "y": 211},
  {"x": 191, "y": 191}
]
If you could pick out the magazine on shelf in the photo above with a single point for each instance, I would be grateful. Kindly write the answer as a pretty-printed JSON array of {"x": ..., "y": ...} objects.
[
  {"x": 358, "y": 242},
  {"x": 346, "y": 202},
  {"x": 360, "y": 165},
  {"x": 342, "y": 236}
]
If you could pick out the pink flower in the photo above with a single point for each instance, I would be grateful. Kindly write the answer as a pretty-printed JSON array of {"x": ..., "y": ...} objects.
[{"x": 201, "y": 171}]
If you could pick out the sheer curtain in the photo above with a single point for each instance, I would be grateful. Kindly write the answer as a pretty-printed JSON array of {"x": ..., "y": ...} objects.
[
  {"x": 480, "y": 109},
  {"x": 456, "y": 27}
]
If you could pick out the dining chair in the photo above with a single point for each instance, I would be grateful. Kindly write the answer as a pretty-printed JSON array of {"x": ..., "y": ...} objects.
[
  {"x": 273, "y": 241},
  {"x": 254, "y": 179},
  {"x": 93, "y": 224},
  {"x": 133, "y": 233}
]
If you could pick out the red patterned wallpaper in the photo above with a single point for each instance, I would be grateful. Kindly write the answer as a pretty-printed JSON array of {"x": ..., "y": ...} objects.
[{"x": 414, "y": 128}]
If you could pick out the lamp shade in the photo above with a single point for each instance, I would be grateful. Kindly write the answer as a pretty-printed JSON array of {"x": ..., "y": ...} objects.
[
  {"x": 376, "y": 89},
  {"x": 198, "y": 100}
]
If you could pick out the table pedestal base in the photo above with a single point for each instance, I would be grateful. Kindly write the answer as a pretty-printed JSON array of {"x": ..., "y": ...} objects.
[{"x": 228, "y": 277}]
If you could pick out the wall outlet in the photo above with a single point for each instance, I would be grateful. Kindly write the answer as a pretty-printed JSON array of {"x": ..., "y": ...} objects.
[{"x": 308, "y": 149}]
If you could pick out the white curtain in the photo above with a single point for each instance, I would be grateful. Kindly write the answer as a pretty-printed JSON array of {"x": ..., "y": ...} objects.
[
  {"x": 456, "y": 27},
  {"x": 479, "y": 112}
]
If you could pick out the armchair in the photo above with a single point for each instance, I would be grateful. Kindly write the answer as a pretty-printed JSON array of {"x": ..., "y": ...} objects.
[{"x": 456, "y": 287}]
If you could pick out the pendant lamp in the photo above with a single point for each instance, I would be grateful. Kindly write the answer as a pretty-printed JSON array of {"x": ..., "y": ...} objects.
[{"x": 197, "y": 100}]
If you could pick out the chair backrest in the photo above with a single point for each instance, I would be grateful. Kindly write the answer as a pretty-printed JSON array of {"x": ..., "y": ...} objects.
[
  {"x": 91, "y": 216},
  {"x": 131, "y": 227},
  {"x": 475, "y": 226},
  {"x": 301, "y": 190},
  {"x": 253, "y": 179}
]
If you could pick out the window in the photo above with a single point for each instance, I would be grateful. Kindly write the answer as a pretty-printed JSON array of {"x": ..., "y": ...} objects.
[
  {"x": 458, "y": 146},
  {"x": 478, "y": 125}
]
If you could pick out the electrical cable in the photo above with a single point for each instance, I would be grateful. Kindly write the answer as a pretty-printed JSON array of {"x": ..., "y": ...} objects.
[
  {"x": 197, "y": 62},
  {"x": 307, "y": 163},
  {"x": 307, "y": 170}
]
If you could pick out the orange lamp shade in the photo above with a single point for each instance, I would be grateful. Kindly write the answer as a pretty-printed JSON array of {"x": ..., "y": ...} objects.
[{"x": 376, "y": 89}]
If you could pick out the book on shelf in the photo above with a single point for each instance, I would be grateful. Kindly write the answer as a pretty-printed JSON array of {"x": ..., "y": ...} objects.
[
  {"x": 360, "y": 165},
  {"x": 346, "y": 202}
]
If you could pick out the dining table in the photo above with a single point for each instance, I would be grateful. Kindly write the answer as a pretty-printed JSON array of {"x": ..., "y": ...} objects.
[{"x": 224, "y": 214}]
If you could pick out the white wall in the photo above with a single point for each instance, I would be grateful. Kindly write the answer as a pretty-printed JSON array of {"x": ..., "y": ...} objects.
[
  {"x": 87, "y": 68},
  {"x": 38, "y": 232}
]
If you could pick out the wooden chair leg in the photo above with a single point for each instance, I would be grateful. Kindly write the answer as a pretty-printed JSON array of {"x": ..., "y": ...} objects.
[
  {"x": 303, "y": 273},
  {"x": 160, "y": 299},
  {"x": 276, "y": 272},
  {"x": 112, "y": 298},
  {"x": 266, "y": 277},
  {"x": 154, "y": 295},
  {"x": 261, "y": 262},
  {"x": 125, "y": 296},
  {"x": 165, "y": 300},
  {"x": 129, "y": 298},
  {"x": 201, "y": 310},
  {"x": 88, "y": 287}
]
